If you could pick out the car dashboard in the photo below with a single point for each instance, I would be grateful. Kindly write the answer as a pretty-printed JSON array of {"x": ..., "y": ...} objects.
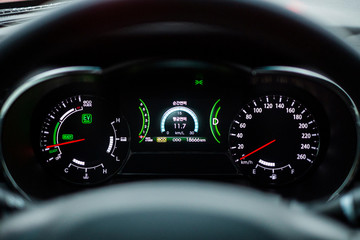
[
  {"x": 187, "y": 114},
  {"x": 92, "y": 114},
  {"x": 275, "y": 128}
]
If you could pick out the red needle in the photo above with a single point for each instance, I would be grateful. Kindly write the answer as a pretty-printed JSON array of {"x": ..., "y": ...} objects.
[
  {"x": 258, "y": 149},
  {"x": 64, "y": 143}
]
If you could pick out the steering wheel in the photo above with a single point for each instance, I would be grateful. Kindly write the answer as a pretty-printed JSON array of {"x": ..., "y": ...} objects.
[
  {"x": 170, "y": 210},
  {"x": 173, "y": 209}
]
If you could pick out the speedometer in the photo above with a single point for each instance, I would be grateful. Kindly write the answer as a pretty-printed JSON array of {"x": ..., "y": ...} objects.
[{"x": 274, "y": 139}]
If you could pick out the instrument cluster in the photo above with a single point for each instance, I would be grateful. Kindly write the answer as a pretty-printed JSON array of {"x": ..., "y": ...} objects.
[{"x": 282, "y": 129}]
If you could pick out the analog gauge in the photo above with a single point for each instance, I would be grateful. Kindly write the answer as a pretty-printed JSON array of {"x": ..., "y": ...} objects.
[
  {"x": 83, "y": 141},
  {"x": 274, "y": 139},
  {"x": 179, "y": 121}
]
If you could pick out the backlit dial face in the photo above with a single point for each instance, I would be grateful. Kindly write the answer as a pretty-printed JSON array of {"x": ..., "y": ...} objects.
[
  {"x": 82, "y": 141},
  {"x": 274, "y": 139},
  {"x": 179, "y": 121}
]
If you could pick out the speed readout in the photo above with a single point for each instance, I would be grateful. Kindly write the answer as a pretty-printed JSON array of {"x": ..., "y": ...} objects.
[{"x": 274, "y": 139}]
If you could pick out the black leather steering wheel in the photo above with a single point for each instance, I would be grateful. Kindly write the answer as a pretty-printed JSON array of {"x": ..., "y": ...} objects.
[
  {"x": 170, "y": 210},
  {"x": 172, "y": 28},
  {"x": 173, "y": 209}
]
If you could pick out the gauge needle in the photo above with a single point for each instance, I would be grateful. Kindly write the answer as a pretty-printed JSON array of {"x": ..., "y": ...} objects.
[
  {"x": 263, "y": 146},
  {"x": 64, "y": 143}
]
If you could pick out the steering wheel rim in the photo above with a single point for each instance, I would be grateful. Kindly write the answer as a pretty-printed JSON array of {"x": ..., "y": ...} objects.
[
  {"x": 170, "y": 210},
  {"x": 276, "y": 27},
  {"x": 63, "y": 27}
]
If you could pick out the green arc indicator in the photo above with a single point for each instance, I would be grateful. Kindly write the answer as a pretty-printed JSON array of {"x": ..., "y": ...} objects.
[
  {"x": 214, "y": 121},
  {"x": 55, "y": 132},
  {"x": 145, "y": 120}
]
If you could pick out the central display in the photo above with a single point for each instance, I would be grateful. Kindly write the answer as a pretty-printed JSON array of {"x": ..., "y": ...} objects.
[{"x": 179, "y": 121}]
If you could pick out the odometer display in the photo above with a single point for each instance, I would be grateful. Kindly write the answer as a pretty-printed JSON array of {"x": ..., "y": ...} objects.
[{"x": 274, "y": 139}]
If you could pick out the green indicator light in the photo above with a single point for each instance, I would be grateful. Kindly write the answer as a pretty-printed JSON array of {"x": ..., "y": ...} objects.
[
  {"x": 53, "y": 150},
  {"x": 86, "y": 118},
  {"x": 67, "y": 137},
  {"x": 199, "y": 80}
]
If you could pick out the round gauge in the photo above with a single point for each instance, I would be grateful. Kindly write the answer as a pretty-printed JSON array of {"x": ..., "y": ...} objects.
[
  {"x": 82, "y": 141},
  {"x": 179, "y": 121},
  {"x": 274, "y": 139}
]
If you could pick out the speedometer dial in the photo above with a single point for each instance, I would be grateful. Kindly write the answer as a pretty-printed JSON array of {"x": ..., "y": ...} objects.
[{"x": 274, "y": 139}]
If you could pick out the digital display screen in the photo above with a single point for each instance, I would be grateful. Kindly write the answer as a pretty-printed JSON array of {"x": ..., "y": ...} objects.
[{"x": 178, "y": 121}]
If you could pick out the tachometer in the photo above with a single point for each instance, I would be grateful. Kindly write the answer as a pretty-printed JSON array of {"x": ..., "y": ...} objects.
[
  {"x": 274, "y": 139},
  {"x": 83, "y": 140}
]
